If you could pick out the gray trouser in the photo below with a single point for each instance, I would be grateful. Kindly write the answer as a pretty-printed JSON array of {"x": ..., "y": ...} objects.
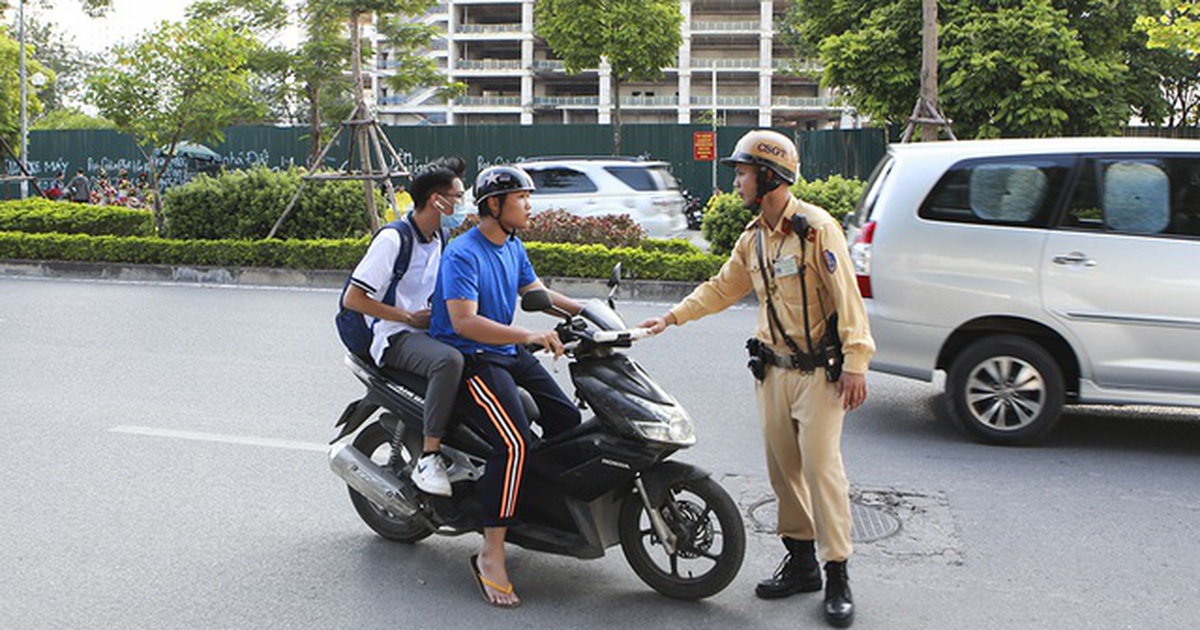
[{"x": 441, "y": 364}]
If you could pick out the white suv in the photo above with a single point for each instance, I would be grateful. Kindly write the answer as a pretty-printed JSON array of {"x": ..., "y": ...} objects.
[
  {"x": 1035, "y": 273},
  {"x": 644, "y": 190}
]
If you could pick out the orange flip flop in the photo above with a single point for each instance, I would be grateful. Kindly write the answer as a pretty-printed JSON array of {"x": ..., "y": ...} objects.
[{"x": 484, "y": 584}]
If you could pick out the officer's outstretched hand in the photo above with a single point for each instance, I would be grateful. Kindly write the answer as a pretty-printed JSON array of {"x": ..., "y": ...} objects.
[
  {"x": 657, "y": 324},
  {"x": 853, "y": 390}
]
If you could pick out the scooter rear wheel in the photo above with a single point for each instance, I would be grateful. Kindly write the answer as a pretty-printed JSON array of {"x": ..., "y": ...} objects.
[
  {"x": 375, "y": 442},
  {"x": 710, "y": 540}
]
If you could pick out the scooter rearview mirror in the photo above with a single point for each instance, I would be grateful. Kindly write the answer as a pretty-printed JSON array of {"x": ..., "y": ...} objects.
[
  {"x": 536, "y": 300},
  {"x": 614, "y": 281}
]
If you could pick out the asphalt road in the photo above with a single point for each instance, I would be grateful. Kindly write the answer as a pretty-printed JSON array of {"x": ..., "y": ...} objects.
[{"x": 165, "y": 468}]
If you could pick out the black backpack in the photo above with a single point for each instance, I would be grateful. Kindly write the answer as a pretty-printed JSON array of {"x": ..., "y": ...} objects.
[{"x": 352, "y": 327}]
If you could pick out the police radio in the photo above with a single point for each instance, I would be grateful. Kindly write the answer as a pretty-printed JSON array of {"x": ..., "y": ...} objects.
[{"x": 800, "y": 226}]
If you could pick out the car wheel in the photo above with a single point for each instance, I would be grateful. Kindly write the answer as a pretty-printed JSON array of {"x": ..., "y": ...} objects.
[{"x": 1005, "y": 389}]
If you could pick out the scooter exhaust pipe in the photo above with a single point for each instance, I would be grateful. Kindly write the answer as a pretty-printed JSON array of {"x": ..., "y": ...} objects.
[{"x": 365, "y": 476}]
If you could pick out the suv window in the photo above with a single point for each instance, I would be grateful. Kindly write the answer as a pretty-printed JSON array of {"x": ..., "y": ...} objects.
[
  {"x": 644, "y": 178},
  {"x": 1145, "y": 196},
  {"x": 560, "y": 180},
  {"x": 1010, "y": 191}
]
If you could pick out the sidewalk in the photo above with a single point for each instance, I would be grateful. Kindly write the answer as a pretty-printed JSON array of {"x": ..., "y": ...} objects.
[{"x": 639, "y": 290}]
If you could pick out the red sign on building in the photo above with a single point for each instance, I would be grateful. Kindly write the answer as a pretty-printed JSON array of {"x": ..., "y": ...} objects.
[{"x": 704, "y": 146}]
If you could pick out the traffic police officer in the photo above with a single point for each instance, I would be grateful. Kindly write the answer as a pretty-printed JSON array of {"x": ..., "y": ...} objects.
[{"x": 809, "y": 354}]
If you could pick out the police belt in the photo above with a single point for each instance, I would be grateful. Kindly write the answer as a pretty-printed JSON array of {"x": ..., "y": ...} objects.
[{"x": 801, "y": 361}]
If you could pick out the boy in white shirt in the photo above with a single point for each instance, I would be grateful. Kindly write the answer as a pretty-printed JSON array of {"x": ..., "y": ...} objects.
[{"x": 400, "y": 338}]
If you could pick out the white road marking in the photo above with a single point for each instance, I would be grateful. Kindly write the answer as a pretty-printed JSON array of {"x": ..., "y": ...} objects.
[{"x": 225, "y": 439}]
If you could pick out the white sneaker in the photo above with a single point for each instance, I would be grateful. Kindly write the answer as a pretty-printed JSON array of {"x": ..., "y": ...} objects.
[{"x": 430, "y": 475}]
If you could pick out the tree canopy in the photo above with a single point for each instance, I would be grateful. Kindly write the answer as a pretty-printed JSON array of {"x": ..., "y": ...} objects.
[
  {"x": 1177, "y": 26},
  {"x": 10, "y": 88},
  {"x": 1174, "y": 42},
  {"x": 1007, "y": 67},
  {"x": 312, "y": 81},
  {"x": 181, "y": 81},
  {"x": 638, "y": 38}
]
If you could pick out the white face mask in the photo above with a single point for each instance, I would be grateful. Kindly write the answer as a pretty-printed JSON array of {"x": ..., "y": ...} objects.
[{"x": 451, "y": 221}]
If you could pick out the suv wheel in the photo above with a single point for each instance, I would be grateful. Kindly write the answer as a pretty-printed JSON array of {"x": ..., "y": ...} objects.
[{"x": 1005, "y": 389}]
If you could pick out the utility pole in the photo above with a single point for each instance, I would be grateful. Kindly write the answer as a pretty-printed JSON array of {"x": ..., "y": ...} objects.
[
  {"x": 929, "y": 68},
  {"x": 926, "y": 112},
  {"x": 24, "y": 148},
  {"x": 714, "y": 127}
]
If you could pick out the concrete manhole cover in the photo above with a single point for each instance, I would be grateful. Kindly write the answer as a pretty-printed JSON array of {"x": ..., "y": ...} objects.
[{"x": 870, "y": 523}]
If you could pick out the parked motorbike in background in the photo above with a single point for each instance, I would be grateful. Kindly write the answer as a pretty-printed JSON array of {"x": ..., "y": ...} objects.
[
  {"x": 608, "y": 481},
  {"x": 693, "y": 210}
]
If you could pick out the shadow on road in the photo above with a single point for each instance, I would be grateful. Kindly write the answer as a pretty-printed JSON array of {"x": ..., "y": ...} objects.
[{"x": 1142, "y": 429}]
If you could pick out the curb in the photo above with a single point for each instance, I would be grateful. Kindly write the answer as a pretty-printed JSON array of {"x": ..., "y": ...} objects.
[{"x": 632, "y": 290}]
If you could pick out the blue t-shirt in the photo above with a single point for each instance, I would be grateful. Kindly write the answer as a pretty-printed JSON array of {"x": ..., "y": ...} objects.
[{"x": 476, "y": 269}]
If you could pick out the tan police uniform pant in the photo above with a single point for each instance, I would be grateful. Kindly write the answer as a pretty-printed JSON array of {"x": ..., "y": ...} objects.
[{"x": 801, "y": 415}]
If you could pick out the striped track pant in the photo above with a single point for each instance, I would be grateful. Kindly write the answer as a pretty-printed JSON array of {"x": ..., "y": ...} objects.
[{"x": 493, "y": 406}]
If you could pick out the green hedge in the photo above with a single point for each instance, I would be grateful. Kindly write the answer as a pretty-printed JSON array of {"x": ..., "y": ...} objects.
[
  {"x": 42, "y": 215},
  {"x": 837, "y": 194},
  {"x": 596, "y": 261},
  {"x": 246, "y": 204},
  {"x": 550, "y": 259},
  {"x": 670, "y": 246},
  {"x": 308, "y": 254},
  {"x": 725, "y": 216}
]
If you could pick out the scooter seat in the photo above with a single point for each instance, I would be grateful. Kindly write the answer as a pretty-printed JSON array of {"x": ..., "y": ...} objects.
[{"x": 407, "y": 379}]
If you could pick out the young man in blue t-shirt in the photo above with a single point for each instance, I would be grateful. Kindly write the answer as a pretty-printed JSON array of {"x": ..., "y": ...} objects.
[{"x": 483, "y": 273}]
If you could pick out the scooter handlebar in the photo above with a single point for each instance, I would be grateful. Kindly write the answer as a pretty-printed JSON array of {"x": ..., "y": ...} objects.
[{"x": 610, "y": 336}]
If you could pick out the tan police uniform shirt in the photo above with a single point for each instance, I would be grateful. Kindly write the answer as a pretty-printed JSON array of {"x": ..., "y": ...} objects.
[{"x": 832, "y": 286}]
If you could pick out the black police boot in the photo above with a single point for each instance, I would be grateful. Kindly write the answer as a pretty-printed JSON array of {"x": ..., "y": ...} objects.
[
  {"x": 798, "y": 573},
  {"x": 839, "y": 604}
]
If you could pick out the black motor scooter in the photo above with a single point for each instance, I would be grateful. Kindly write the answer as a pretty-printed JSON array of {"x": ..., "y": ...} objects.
[{"x": 607, "y": 481}]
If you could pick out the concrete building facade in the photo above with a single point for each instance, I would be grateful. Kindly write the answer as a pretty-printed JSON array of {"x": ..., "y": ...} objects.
[{"x": 730, "y": 51}]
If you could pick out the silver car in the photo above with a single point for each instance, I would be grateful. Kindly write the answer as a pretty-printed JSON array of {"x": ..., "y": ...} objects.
[
  {"x": 588, "y": 187},
  {"x": 1035, "y": 273}
]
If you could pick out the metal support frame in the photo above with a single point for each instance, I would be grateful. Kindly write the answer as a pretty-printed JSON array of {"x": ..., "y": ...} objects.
[{"x": 378, "y": 160}]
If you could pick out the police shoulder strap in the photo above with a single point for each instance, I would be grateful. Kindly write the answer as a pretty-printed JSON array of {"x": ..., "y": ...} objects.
[{"x": 774, "y": 322}]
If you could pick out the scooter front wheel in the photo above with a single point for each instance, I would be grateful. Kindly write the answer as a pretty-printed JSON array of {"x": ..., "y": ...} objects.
[
  {"x": 375, "y": 442},
  {"x": 710, "y": 540}
]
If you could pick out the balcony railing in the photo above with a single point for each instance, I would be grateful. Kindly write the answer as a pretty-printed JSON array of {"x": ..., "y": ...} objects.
[
  {"x": 566, "y": 101},
  {"x": 725, "y": 101},
  {"x": 488, "y": 64},
  {"x": 549, "y": 64},
  {"x": 706, "y": 26},
  {"x": 807, "y": 66},
  {"x": 726, "y": 64},
  {"x": 491, "y": 101},
  {"x": 488, "y": 29},
  {"x": 806, "y": 102},
  {"x": 649, "y": 101}
]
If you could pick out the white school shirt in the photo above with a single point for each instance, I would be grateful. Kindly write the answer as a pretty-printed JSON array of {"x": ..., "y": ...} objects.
[{"x": 414, "y": 292}]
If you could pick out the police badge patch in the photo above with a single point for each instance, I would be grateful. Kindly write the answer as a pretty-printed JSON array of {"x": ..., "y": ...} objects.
[{"x": 830, "y": 260}]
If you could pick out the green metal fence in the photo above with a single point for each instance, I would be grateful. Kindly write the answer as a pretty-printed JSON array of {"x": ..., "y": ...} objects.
[{"x": 851, "y": 153}]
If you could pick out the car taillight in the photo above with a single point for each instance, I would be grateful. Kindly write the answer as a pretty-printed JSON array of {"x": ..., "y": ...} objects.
[{"x": 860, "y": 255}]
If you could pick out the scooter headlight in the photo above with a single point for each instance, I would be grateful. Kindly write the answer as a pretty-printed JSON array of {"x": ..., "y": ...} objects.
[{"x": 674, "y": 426}]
